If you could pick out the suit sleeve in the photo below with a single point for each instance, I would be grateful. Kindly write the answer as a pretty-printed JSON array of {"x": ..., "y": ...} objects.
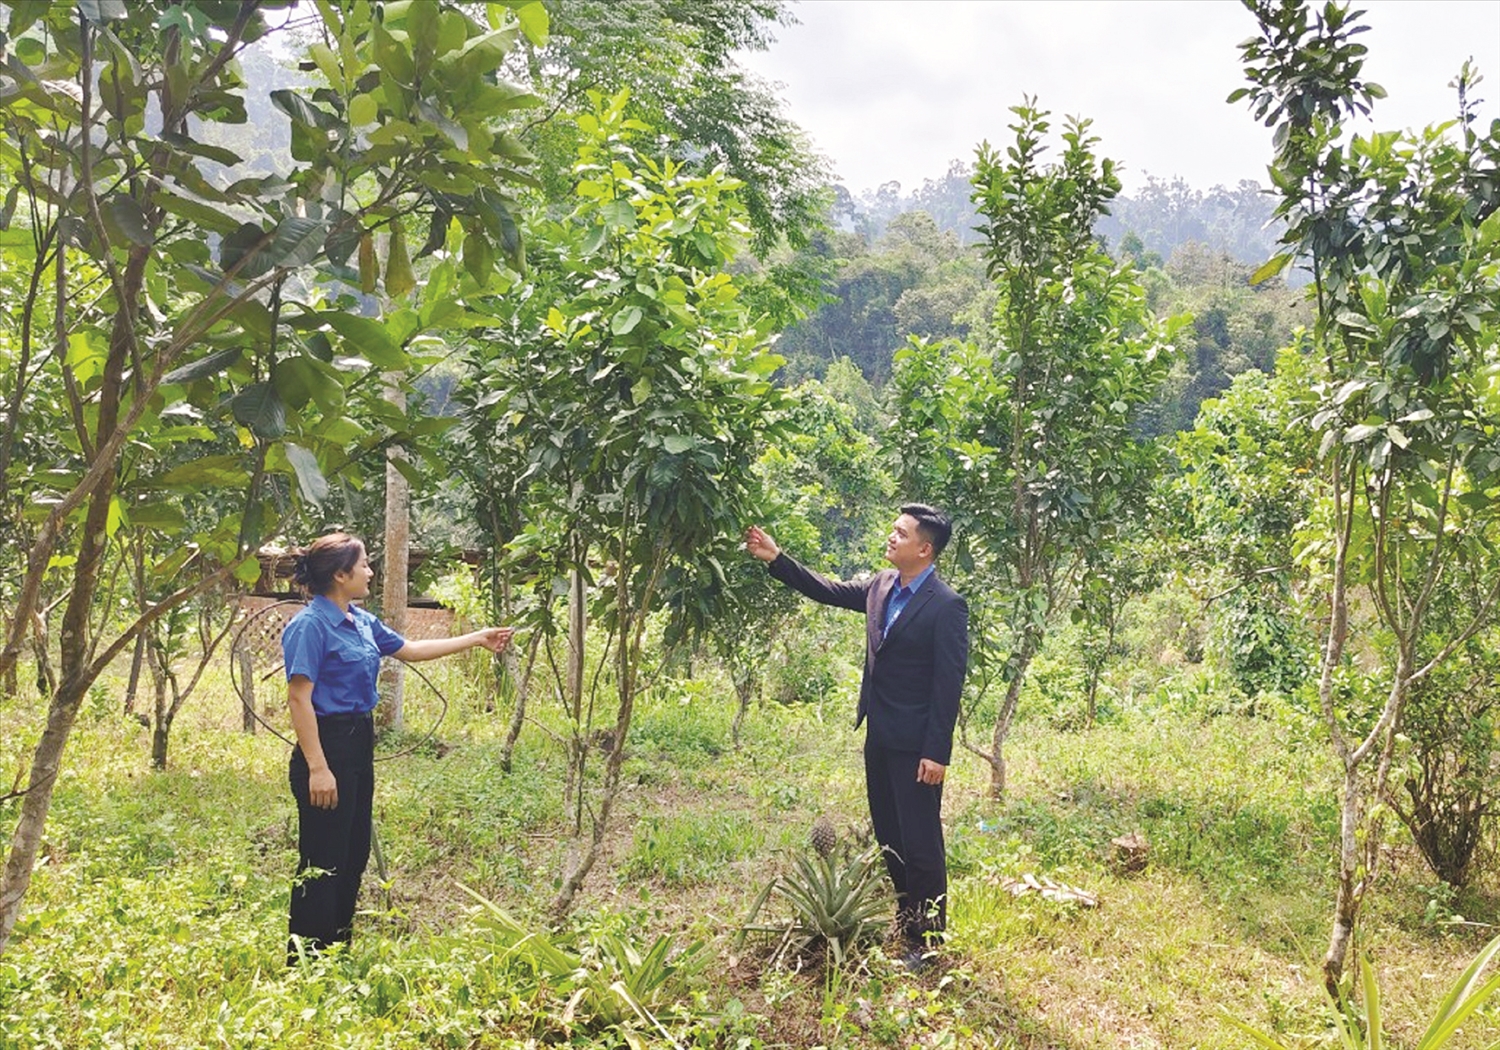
[
  {"x": 843, "y": 595},
  {"x": 950, "y": 662}
]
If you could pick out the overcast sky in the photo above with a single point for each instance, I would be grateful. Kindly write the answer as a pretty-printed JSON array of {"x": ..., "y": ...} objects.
[{"x": 893, "y": 89}]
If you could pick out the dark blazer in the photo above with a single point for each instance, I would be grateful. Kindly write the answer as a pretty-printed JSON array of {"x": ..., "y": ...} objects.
[{"x": 913, "y": 679}]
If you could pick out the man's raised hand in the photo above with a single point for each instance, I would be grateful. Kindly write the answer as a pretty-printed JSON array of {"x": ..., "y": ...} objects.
[{"x": 760, "y": 545}]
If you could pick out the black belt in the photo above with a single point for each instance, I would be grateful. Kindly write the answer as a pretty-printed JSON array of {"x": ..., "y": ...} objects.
[{"x": 347, "y": 718}]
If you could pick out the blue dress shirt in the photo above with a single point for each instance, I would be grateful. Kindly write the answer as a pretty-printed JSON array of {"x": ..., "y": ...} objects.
[
  {"x": 900, "y": 595},
  {"x": 339, "y": 654}
]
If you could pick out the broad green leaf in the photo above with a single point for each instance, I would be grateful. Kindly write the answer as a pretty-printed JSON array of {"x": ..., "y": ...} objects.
[
  {"x": 618, "y": 214},
  {"x": 625, "y": 321},
  {"x": 371, "y": 339},
  {"x": 157, "y": 514},
  {"x": 259, "y": 408},
  {"x": 245, "y": 251},
  {"x": 534, "y": 22},
  {"x": 211, "y": 471},
  {"x": 126, "y": 216},
  {"x": 115, "y": 518},
  {"x": 302, "y": 111},
  {"x": 1270, "y": 268},
  {"x": 211, "y": 365},
  {"x": 218, "y": 154},
  {"x": 363, "y": 110},
  {"x": 103, "y": 10},
  {"x": 8, "y": 209},
  {"x": 24, "y": 14},
  {"x": 248, "y": 570},
  {"x": 310, "y": 480},
  {"x": 342, "y": 240},
  {"x": 207, "y": 216},
  {"x": 297, "y": 241}
]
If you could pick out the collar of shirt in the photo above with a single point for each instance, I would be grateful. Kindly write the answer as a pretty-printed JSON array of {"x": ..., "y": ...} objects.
[
  {"x": 900, "y": 595},
  {"x": 328, "y": 610}
]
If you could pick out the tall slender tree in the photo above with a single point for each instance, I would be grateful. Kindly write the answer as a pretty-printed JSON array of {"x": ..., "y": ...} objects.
[
  {"x": 1401, "y": 235},
  {"x": 173, "y": 296}
]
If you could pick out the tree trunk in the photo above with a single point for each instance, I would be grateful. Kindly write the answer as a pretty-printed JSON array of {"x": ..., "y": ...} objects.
[
  {"x": 744, "y": 687},
  {"x": 160, "y": 732},
  {"x": 1030, "y": 643},
  {"x": 521, "y": 676},
  {"x": 394, "y": 581},
  {"x": 46, "y": 760},
  {"x": 246, "y": 661},
  {"x": 577, "y": 627},
  {"x": 1350, "y": 890},
  {"x": 138, "y": 656}
]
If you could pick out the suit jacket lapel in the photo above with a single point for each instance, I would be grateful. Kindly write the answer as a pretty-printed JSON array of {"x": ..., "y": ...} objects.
[
  {"x": 913, "y": 606},
  {"x": 875, "y": 613}
]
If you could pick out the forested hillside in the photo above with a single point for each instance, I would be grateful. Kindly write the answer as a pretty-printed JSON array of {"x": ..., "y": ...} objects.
[{"x": 1182, "y": 680}]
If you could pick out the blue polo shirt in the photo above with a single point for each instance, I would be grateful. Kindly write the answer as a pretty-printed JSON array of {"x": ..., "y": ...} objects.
[{"x": 339, "y": 654}]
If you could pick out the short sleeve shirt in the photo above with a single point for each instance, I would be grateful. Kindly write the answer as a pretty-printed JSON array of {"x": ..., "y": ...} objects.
[{"x": 340, "y": 654}]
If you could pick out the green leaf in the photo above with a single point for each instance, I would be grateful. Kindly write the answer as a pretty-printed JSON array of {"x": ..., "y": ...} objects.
[
  {"x": 127, "y": 217},
  {"x": 534, "y": 22},
  {"x": 216, "y": 471},
  {"x": 303, "y": 111},
  {"x": 247, "y": 571},
  {"x": 310, "y": 480},
  {"x": 211, "y": 365},
  {"x": 363, "y": 110},
  {"x": 368, "y": 337},
  {"x": 625, "y": 321},
  {"x": 24, "y": 14},
  {"x": 207, "y": 216},
  {"x": 157, "y": 514},
  {"x": 618, "y": 214},
  {"x": 342, "y": 240},
  {"x": 103, "y": 10},
  {"x": 8, "y": 209},
  {"x": 245, "y": 248},
  {"x": 1270, "y": 268},
  {"x": 677, "y": 444},
  {"x": 218, "y": 154},
  {"x": 259, "y": 408},
  {"x": 297, "y": 241}
]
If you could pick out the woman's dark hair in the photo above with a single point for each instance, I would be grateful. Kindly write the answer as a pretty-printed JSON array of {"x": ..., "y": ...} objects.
[
  {"x": 328, "y": 555},
  {"x": 932, "y": 525}
]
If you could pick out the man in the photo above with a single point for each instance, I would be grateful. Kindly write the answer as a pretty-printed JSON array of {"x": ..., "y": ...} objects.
[{"x": 916, "y": 653}]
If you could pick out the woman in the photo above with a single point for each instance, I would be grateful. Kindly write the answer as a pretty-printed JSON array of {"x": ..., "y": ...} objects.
[{"x": 332, "y": 649}]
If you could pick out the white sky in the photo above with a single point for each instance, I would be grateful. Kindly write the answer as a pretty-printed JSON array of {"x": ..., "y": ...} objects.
[{"x": 895, "y": 89}]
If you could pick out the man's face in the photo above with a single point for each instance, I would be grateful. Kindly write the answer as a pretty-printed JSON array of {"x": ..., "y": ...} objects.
[{"x": 904, "y": 547}]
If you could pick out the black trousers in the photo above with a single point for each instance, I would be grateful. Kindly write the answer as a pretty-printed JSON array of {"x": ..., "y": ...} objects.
[
  {"x": 908, "y": 826},
  {"x": 335, "y": 841}
]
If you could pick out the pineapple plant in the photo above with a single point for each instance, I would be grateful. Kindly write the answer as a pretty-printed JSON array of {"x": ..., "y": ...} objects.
[
  {"x": 823, "y": 837},
  {"x": 835, "y": 904}
]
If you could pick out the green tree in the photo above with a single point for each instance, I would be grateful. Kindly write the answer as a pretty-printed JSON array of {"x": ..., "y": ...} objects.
[
  {"x": 1033, "y": 443},
  {"x": 166, "y": 291},
  {"x": 678, "y": 62},
  {"x": 1245, "y": 489},
  {"x": 636, "y": 394},
  {"x": 1402, "y": 238}
]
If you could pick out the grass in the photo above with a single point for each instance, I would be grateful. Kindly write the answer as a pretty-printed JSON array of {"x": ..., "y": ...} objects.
[{"x": 158, "y": 916}]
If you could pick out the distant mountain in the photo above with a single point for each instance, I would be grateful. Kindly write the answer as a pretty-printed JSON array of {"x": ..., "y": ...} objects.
[{"x": 1163, "y": 215}]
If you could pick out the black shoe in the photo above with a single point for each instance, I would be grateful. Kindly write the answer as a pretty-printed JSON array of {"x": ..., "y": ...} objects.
[{"x": 915, "y": 961}]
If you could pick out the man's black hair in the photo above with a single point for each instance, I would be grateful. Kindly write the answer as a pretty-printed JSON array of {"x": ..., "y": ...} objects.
[{"x": 932, "y": 525}]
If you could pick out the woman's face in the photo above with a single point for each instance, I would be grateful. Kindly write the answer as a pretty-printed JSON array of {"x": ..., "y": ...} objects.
[{"x": 356, "y": 582}]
